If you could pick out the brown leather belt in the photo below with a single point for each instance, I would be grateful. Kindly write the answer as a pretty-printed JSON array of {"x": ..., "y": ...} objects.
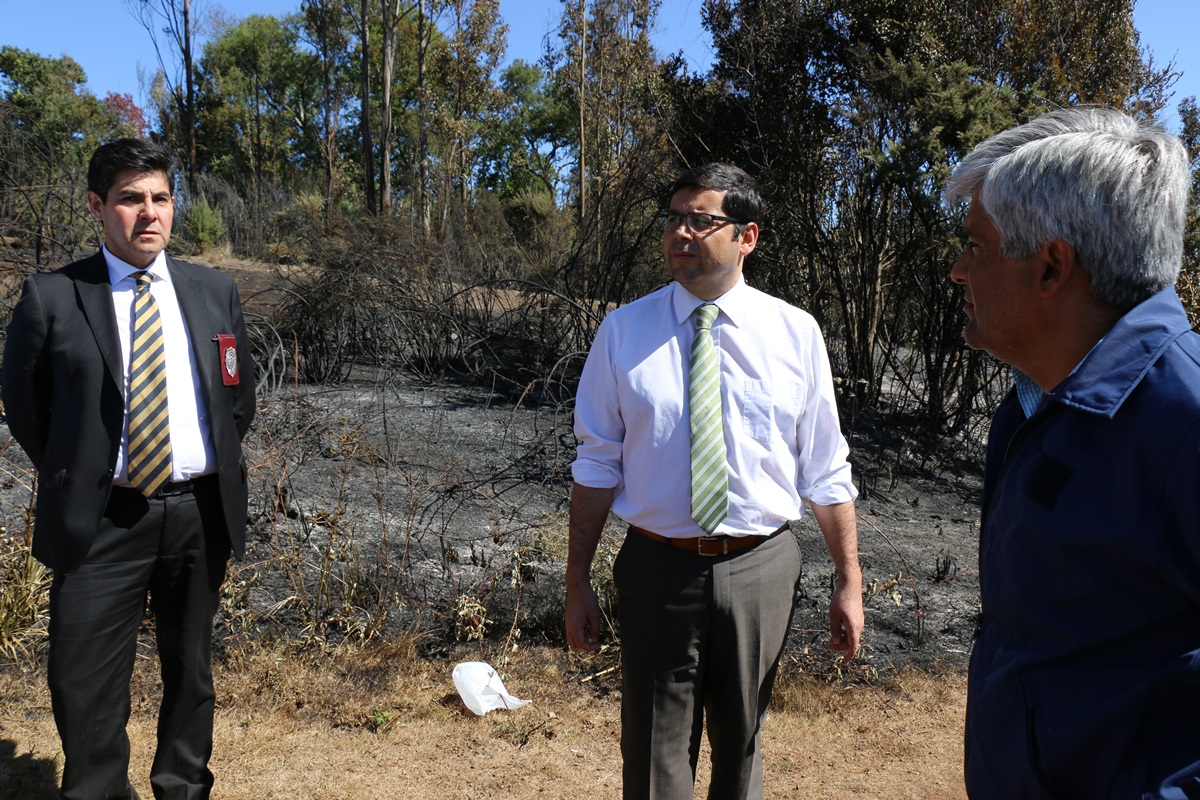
[{"x": 708, "y": 545}]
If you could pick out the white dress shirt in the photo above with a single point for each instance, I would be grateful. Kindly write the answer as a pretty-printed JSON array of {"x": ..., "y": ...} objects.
[
  {"x": 782, "y": 434},
  {"x": 192, "y": 450}
]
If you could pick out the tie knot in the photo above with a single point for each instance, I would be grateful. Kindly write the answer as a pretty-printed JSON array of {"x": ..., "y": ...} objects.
[
  {"x": 706, "y": 315},
  {"x": 143, "y": 279}
]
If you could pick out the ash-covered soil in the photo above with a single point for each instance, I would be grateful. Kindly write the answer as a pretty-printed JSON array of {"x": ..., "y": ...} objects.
[{"x": 389, "y": 504}]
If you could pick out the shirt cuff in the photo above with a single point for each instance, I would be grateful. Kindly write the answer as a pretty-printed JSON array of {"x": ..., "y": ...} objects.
[{"x": 595, "y": 476}]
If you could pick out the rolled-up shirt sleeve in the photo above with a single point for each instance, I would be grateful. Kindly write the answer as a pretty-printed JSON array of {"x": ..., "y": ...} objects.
[
  {"x": 824, "y": 473},
  {"x": 599, "y": 426}
]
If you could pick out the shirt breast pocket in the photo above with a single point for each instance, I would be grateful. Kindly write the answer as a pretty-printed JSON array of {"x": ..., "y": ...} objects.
[{"x": 770, "y": 407}]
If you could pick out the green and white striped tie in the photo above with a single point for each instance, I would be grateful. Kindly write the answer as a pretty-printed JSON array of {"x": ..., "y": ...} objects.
[
  {"x": 710, "y": 475},
  {"x": 149, "y": 452}
]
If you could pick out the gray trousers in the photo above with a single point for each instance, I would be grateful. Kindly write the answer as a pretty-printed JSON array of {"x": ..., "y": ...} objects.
[{"x": 699, "y": 636}]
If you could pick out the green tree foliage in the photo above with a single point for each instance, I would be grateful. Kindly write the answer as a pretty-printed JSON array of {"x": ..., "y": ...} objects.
[
  {"x": 259, "y": 124},
  {"x": 466, "y": 101},
  {"x": 853, "y": 113},
  {"x": 260, "y": 105},
  {"x": 49, "y": 125},
  {"x": 606, "y": 74},
  {"x": 519, "y": 161},
  {"x": 1064, "y": 52},
  {"x": 522, "y": 154},
  {"x": 203, "y": 224}
]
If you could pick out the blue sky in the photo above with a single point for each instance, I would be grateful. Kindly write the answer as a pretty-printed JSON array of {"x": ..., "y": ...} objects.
[
  {"x": 111, "y": 45},
  {"x": 113, "y": 48}
]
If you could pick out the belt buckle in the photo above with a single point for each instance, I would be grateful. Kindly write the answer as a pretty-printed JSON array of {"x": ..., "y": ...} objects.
[
  {"x": 176, "y": 489},
  {"x": 721, "y": 545}
]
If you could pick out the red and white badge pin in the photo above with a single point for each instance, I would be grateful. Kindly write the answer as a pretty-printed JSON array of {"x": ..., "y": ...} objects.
[{"x": 227, "y": 349}]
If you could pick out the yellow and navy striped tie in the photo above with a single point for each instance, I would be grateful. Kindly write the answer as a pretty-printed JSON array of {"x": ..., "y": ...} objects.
[
  {"x": 710, "y": 475},
  {"x": 149, "y": 451}
]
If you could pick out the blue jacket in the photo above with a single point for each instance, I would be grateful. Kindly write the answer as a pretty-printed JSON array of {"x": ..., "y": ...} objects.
[{"x": 1085, "y": 679}]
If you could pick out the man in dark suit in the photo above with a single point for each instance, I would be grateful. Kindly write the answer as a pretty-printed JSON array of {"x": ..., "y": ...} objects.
[{"x": 128, "y": 380}]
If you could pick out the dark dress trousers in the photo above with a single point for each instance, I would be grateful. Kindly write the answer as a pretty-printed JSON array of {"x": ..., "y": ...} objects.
[{"x": 62, "y": 384}]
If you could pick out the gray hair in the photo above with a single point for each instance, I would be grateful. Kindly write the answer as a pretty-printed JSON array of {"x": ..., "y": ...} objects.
[{"x": 1113, "y": 188}]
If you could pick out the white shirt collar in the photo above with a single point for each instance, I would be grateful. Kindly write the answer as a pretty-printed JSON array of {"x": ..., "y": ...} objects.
[
  {"x": 733, "y": 304},
  {"x": 119, "y": 270}
]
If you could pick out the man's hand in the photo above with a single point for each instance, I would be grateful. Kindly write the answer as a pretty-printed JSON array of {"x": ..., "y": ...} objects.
[
  {"x": 846, "y": 620},
  {"x": 589, "y": 510},
  {"x": 839, "y": 526},
  {"x": 583, "y": 618}
]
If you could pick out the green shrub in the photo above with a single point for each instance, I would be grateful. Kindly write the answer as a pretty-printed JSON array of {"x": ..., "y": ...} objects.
[{"x": 204, "y": 224}]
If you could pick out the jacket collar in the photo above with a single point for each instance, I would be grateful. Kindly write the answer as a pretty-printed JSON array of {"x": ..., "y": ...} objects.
[
  {"x": 1114, "y": 368},
  {"x": 90, "y": 279}
]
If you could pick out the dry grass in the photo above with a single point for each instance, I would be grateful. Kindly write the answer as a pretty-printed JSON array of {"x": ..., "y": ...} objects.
[{"x": 382, "y": 722}]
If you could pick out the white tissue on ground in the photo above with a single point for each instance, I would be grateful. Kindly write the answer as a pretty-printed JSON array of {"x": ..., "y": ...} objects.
[{"x": 481, "y": 688}]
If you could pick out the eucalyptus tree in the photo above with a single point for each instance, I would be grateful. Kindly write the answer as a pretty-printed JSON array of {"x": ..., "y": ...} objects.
[
  {"x": 364, "y": 59},
  {"x": 467, "y": 98},
  {"x": 259, "y": 104},
  {"x": 326, "y": 29},
  {"x": 394, "y": 13},
  {"x": 604, "y": 66},
  {"x": 606, "y": 73}
]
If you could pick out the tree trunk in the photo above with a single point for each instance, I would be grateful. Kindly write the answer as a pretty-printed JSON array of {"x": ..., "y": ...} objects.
[
  {"x": 582, "y": 117},
  {"x": 365, "y": 109},
  {"x": 189, "y": 119},
  {"x": 423, "y": 202},
  {"x": 391, "y": 16}
]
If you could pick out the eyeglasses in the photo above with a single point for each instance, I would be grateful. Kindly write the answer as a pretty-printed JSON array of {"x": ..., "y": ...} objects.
[{"x": 696, "y": 222}]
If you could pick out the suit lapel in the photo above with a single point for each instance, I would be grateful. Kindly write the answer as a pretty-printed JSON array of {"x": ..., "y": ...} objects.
[
  {"x": 193, "y": 304},
  {"x": 95, "y": 297}
]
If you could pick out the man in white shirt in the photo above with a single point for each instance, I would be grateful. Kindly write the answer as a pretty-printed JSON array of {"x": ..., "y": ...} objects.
[
  {"x": 705, "y": 605},
  {"x": 127, "y": 378}
]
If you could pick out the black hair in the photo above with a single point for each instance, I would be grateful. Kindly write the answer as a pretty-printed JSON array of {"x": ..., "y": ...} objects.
[
  {"x": 138, "y": 155},
  {"x": 743, "y": 201}
]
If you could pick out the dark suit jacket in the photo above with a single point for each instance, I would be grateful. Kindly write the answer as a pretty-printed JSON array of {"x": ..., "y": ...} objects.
[{"x": 61, "y": 381}]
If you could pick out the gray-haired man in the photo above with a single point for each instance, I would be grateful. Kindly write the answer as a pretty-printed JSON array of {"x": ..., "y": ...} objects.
[{"x": 1085, "y": 678}]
